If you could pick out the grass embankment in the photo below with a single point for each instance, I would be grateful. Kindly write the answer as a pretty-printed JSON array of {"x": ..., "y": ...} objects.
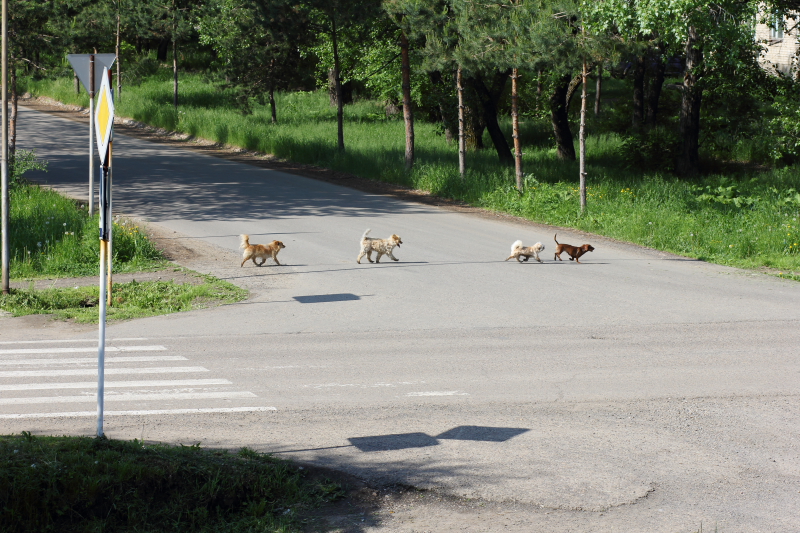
[
  {"x": 79, "y": 484},
  {"x": 51, "y": 236},
  {"x": 746, "y": 219}
]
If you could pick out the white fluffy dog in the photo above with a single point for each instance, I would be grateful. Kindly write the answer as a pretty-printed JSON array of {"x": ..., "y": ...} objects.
[
  {"x": 518, "y": 250},
  {"x": 380, "y": 246}
]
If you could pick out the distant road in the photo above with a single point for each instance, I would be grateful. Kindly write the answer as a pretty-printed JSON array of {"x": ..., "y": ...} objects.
[{"x": 660, "y": 390}]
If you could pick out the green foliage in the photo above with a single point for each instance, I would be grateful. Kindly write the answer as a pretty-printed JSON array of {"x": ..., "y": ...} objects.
[
  {"x": 51, "y": 235},
  {"x": 130, "y": 300},
  {"x": 650, "y": 149},
  {"x": 80, "y": 484}
]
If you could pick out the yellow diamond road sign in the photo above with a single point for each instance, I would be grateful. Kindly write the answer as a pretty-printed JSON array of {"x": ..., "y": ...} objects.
[{"x": 104, "y": 116}]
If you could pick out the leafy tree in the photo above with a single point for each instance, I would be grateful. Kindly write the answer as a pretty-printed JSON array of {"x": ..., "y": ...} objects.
[
  {"x": 716, "y": 38},
  {"x": 258, "y": 43},
  {"x": 334, "y": 18}
]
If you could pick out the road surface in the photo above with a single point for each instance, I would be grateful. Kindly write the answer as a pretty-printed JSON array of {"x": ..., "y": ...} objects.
[{"x": 637, "y": 391}]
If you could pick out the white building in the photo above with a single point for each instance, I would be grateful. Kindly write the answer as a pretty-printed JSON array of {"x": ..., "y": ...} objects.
[{"x": 781, "y": 39}]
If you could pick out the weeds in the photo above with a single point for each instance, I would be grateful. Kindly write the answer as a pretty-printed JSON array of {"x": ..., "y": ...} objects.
[
  {"x": 129, "y": 300},
  {"x": 78, "y": 484}
]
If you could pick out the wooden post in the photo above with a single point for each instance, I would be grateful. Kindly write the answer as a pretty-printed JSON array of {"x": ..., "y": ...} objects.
[
  {"x": 462, "y": 142},
  {"x": 515, "y": 127},
  {"x": 582, "y": 138}
]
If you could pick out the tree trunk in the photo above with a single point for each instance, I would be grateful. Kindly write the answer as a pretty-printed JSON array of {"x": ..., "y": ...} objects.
[
  {"x": 539, "y": 84},
  {"x": 462, "y": 145},
  {"x": 337, "y": 79},
  {"x": 656, "y": 84},
  {"x": 582, "y": 140},
  {"x": 175, "y": 74},
  {"x": 689, "y": 160},
  {"x": 408, "y": 115},
  {"x": 489, "y": 97},
  {"x": 638, "y": 91},
  {"x": 515, "y": 127},
  {"x": 332, "y": 86},
  {"x": 565, "y": 147},
  {"x": 272, "y": 104},
  {"x": 573, "y": 86},
  {"x": 598, "y": 89}
]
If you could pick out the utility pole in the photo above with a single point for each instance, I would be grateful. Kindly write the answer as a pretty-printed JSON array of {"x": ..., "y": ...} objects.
[{"x": 4, "y": 162}]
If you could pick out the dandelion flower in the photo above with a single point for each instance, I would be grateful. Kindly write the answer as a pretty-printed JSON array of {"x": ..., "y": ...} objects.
[{"x": 730, "y": 246}]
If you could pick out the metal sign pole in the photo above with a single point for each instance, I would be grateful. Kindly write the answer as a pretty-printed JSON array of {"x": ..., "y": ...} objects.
[
  {"x": 104, "y": 124},
  {"x": 91, "y": 135},
  {"x": 109, "y": 176},
  {"x": 101, "y": 351},
  {"x": 4, "y": 209}
]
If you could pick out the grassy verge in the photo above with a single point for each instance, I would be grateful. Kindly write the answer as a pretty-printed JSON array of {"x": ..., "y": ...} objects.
[
  {"x": 743, "y": 218},
  {"x": 52, "y": 236},
  {"x": 129, "y": 300},
  {"x": 68, "y": 484}
]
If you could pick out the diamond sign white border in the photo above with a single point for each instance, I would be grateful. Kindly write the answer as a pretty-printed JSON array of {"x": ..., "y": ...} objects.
[{"x": 103, "y": 136}]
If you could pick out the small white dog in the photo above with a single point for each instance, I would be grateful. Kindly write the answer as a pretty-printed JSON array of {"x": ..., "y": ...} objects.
[
  {"x": 381, "y": 246},
  {"x": 518, "y": 250}
]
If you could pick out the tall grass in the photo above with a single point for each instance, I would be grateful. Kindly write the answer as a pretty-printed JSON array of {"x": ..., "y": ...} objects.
[
  {"x": 746, "y": 219},
  {"x": 51, "y": 235}
]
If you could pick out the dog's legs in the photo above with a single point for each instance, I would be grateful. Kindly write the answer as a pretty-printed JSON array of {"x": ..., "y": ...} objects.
[
  {"x": 536, "y": 255},
  {"x": 274, "y": 258},
  {"x": 393, "y": 257},
  {"x": 378, "y": 257}
]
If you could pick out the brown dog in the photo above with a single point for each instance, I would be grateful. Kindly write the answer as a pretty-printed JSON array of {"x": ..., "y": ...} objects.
[
  {"x": 574, "y": 251},
  {"x": 259, "y": 251}
]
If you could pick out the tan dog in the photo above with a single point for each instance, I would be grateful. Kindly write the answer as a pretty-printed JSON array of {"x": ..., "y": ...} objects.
[
  {"x": 381, "y": 246},
  {"x": 527, "y": 252},
  {"x": 574, "y": 251},
  {"x": 259, "y": 251}
]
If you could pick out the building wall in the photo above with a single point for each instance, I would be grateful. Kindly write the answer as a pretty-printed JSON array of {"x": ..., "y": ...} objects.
[{"x": 781, "y": 53}]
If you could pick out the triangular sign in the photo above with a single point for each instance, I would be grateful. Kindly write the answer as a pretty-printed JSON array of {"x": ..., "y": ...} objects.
[{"x": 80, "y": 64}]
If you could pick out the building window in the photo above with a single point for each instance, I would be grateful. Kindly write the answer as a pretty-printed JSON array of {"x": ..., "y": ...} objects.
[{"x": 776, "y": 28}]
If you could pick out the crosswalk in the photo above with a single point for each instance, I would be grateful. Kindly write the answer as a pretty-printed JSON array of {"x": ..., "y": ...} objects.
[{"x": 50, "y": 379}]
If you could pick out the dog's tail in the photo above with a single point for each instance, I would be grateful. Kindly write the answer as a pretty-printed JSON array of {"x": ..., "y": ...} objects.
[
  {"x": 365, "y": 234},
  {"x": 517, "y": 244},
  {"x": 554, "y": 237},
  {"x": 245, "y": 241}
]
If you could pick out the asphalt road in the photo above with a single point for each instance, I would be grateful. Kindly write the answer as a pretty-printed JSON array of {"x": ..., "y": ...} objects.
[{"x": 637, "y": 391}]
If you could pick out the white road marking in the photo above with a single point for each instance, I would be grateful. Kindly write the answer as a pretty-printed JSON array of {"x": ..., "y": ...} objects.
[
  {"x": 117, "y": 384},
  {"x": 82, "y": 360},
  {"x": 73, "y": 340},
  {"x": 93, "y": 371},
  {"x": 438, "y": 393},
  {"x": 84, "y": 349},
  {"x": 144, "y": 412},
  {"x": 128, "y": 397}
]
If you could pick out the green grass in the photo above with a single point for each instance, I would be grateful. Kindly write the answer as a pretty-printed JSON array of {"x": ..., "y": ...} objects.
[
  {"x": 743, "y": 218},
  {"x": 129, "y": 300},
  {"x": 52, "y": 236},
  {"x": 79, "y": 484}
]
